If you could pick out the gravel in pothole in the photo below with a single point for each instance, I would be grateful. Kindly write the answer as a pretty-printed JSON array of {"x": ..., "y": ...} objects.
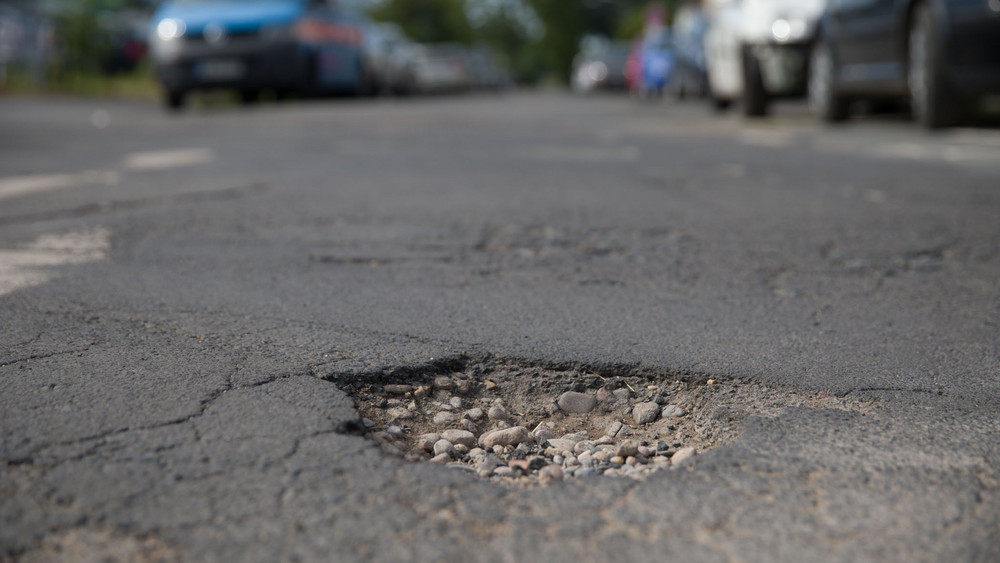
[{"x": 526, "y": 425}]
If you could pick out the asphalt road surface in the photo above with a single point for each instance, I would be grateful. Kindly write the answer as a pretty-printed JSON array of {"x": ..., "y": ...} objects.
[{"x": 182, "y": 299}]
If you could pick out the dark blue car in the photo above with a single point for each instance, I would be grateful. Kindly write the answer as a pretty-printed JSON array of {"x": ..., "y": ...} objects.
[
  {"x": 303, "y": 46},
  {"x": 941, "y": 55}
]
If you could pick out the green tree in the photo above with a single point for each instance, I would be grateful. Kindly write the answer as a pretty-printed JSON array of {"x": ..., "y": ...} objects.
[{"x": 428, "y": 21}]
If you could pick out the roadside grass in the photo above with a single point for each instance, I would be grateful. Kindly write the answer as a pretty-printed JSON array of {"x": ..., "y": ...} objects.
[{"x": 136, "y": 85}]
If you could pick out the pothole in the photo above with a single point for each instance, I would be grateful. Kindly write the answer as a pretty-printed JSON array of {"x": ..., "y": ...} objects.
[{"x": 529, "y": 425}]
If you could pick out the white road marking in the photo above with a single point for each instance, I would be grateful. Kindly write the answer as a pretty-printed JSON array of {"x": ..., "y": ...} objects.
[
  {"x": 161, "y": 160},
  {"x": 14, "y": 186},
  {"x": 33, "y": 263}
]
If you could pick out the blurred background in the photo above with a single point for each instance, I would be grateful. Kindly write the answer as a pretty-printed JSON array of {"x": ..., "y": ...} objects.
[{"x": 938, "y": 61}]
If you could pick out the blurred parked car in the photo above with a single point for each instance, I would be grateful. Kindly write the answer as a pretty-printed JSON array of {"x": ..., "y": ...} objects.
[
  {"x": 389, "y": 58},
  {"x": 304, "y": 45},
  {"x": 484, "y": 70},
  {"x": 600, "y": 65},
  {"x": 127, "y": 31},
  {"x": 691, "y": 77},
  {"x": 942, "y": 56},
  {"x": 758, "y": 50},
  {"x": 441, "y": 67}
]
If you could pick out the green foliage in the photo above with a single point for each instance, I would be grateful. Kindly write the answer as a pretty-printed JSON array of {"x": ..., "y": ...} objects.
[{"x": 428, "y": 21}]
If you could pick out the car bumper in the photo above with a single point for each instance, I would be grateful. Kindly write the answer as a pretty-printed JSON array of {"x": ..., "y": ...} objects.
[
  {"x": 245, "y": 65},
  {"x": 784, "y": 67}
]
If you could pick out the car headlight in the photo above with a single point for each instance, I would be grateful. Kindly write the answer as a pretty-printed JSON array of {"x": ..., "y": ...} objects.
[
  {"x": 597, "y": 72},
  {"x": 789, "y": 29},
  {"x": 170, "y": 28}
]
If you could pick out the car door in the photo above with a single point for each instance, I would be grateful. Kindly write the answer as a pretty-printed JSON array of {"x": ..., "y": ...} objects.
[{"x": 865, "y": 44}]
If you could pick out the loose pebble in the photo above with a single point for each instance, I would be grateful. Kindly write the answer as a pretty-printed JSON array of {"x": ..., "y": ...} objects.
[
  {"x": 444, "y": 447},
  {"x": 505, "y": 437},
  {"x": 627, "y": 448},
  {"x": 399, "y": 413},
  {"x": 644, "y": 413},
  {"x": 584, "y": 446},
  {"x": 442, "y": 383},
  {"x": 614, "y": 429},
  {"x": 445, "y": 418},
  {"x": 441, "y": 458},
  {"x": 398, "y": 389},
  {"x": 463, "y": 437},
  {"x": 682, "y": 454},
  {"x": 455, "y": 402},
  {"x": 622, "y": 394},
  {"x": 578, "y": 403},
  {"x": 673, "y": 411}
]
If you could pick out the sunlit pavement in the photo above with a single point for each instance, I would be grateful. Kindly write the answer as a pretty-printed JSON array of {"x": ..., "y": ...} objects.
[{"x": 181, "y": 294}]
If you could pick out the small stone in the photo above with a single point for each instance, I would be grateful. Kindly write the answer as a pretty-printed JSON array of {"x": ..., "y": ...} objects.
[
  {"x": 368, "y": 423},
  {"x": 584, "y": 446},
  {"x": 444, "y": 447},
  {"x": 558, "y": 459},
  {"x": 562, "y": 444},
  {"x": 673, "y": 411},
  {"x": 571, "y": 461},
  {"x": 578, "y": 403},
  {"x": 398, "y": 389},
  {"x": 476, "y": 452},
  {"x": 463, "y": 437},
  {"x": 442, "y": 458},
  {"x": 644, "y": 413},
  {"x": 461, "y": 449},
  {"x": 604, "y": 395},
  {"x": 475, "y": 414},
  {"x": 394, "y": 431},
  {"x": 520, "y": 465},
  {"x": 426, "y": 441},
  {"x": 498, "y": 412},
  {"x": 444, "y": 418},
  {"x": 614, "y": 429},
  {"x": 605, "y": 441},
  {"x": 576, "y": 436},
  {"x": 682, "y": 454},
  {"x": 550, "y": 474},
  {"x": 463, "y": 387},
  {"x": 586, "y": 459},
  {"x": 412, "y": 407},
  {"x": 602, "y": 455},
  {"x": 498, "y": 450},
  {"x": 443, "y": 383},
  {"x": 710, "y": 382},
  {"x": 489, "y": 385},
  {"x": 455, "y": 402},
  {"x": 646, "y": 451},
  {"x": 542, "y": 434},
  {"x": 503, "y": 471},
  {"x": 622, "y": 394},
  {"x": 399, "y": 413},
  {"x": 641, "y": 460},
  {"x": 627, "y": 448},
  {"x": 505, "y": 437},
  {"x": 421, "y": 392}
]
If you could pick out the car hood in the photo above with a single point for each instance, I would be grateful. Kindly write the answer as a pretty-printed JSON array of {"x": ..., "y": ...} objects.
[{"x": 234, "y": 15}]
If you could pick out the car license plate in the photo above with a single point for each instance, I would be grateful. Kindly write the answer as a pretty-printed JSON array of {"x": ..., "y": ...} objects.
[{"x": 221, "y": 69}]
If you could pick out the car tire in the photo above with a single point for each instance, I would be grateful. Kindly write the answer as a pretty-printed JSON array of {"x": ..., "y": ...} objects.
[
  {"x": 175, "y": 100},
  {"x": 719, "y": 105},
  {"x": 930, "y": 99},
  {"x": 755, "y": 98},
  {"x": 824, "y": 100},
  {"x": 249, "y": 97}
]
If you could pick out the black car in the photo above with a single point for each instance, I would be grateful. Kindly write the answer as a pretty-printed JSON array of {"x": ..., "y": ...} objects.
[{"x": 943, "y": 56}]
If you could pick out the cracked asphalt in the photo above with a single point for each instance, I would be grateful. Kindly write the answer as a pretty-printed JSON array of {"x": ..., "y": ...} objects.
[{"x": 180, "y": 296}]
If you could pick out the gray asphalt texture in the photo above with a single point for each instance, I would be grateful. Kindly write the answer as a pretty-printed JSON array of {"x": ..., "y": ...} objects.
[{"x": 181, "y": 387}]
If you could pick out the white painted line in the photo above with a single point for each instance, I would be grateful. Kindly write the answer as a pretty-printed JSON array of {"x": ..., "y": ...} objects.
[
  {"x": 32, "y": 264},
  {"x": 161, "y": 160},
  {"x": 14, "y": 186}
]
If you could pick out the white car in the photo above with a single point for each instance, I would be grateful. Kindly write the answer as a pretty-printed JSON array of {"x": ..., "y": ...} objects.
[{"x": 758, "y": 50}]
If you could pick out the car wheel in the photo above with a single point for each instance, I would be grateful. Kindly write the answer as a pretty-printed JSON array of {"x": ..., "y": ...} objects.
[
  {"x": 824, "y": 101},
  {"x": 175, "y": 100},
  {"x": 929, "y": 97},
  {"x": 755, "y": 99}
]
